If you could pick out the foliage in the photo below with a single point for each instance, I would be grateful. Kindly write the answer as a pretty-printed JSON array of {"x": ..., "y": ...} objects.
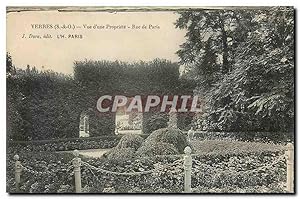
[
  {"x": 13, "y": 101},
  {"x": 130, "y": 141},
  {"x": 244, "y": 65},
  {"x": 270, "y": 188},
  {"x": 101, "y": 124},
  {"x": 156, "y": 77},
  {"x": 102, "y": 142},
  {"x": 233, "y": 147},
  {"x": 167, "y": 135},
  {"x": 60, "y": 179},
  {"x": 38, "y": 101},
  {"x": 158, "y": 148},
  {"x": 240, "y": 171},
  {"x": 211, "y": 38},
  {"x": 47, "y": 105},
  {"x": 215, "y": 171},
  {"x": 153, "y": 121},
  {"x": 253, "y": 136},
  {"x": 117, "y": 155},
  {"x": 185, "y": 120},
  {"x": 125, "y": 150}
]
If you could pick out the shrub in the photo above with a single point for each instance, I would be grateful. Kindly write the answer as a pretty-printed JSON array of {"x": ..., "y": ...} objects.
[
  {"x": 130, "y": 141},
  {"x": 168, "y": 135},
  {"x": 101, "y": 124},
  {"x": 153, "y": 121},
  {"x": 117, "y": 155},
  {"x": 184, "y": 120},
  {"x": 159, "y": 148}
]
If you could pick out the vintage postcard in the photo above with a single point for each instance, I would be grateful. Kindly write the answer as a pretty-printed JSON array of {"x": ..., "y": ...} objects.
[{"x": 189, "y": 100}]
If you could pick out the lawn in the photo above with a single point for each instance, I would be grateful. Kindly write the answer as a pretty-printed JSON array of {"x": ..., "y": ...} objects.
[{"x": 233, "y": 147}]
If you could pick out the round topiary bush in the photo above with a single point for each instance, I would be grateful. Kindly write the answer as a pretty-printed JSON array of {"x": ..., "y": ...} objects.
[
  {"x": 167, "y": 135},
  {"x": 159, "y": 148},
  {"x": 130, "y": 141}
]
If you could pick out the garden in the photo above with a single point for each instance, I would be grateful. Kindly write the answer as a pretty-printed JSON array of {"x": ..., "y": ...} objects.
[
  {"x": 238, "y": 141},
  {"x": 155, "y": 165}
]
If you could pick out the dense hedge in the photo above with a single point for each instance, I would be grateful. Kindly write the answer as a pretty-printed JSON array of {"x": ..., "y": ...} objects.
[
  {"x": 153, "y": 121},
  {"x": 47, "y": 105},
  {"x": 156, "y": 77}
]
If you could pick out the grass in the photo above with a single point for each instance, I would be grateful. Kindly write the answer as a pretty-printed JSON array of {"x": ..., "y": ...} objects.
[{"x": 233, "y": 147}]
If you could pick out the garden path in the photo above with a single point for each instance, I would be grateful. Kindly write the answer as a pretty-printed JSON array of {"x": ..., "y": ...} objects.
[{"x": 95, "y": 153}]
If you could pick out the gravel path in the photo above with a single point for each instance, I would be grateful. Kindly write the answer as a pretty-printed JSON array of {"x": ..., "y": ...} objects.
[{"x": 95, "y": 153}]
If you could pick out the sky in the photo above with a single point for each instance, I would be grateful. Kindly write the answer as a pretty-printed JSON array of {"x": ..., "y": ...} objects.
[{"x": 101, "y": 43}]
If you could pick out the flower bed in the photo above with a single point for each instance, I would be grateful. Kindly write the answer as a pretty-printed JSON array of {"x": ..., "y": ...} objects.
[
  {"x": 213, "y": 172},
  {"x": 54, "y": 175}
]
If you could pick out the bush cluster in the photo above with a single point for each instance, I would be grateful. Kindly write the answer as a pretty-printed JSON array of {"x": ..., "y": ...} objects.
[
  {"x": 125, "y": 150},
  {"x": 167, "y": 135},
  {"x": 166, "y": 141}
]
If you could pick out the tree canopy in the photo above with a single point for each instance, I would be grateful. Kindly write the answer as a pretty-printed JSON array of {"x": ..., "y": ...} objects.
[{"x": 244, "y": 65}]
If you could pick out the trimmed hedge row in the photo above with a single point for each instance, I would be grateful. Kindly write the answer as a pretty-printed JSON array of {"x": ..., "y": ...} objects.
[
  {"x": 47, "y": 105},
  {"x": 101, "y": 142}
]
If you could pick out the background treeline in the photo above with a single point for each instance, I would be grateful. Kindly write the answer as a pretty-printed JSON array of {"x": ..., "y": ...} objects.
[
  {"x": 47, "y": 105},
  {"x": 243, "y": 62}
]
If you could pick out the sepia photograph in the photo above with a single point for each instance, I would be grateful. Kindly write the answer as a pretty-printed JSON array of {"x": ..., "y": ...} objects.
[{"x": 151, "y": 100}]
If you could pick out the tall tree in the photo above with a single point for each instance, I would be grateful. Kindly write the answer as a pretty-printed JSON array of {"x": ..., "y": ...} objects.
[
  {"x": 262, "y": 81},
  {"x": 211, "y": 39},
  {"x": 245, "y": 64}
]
